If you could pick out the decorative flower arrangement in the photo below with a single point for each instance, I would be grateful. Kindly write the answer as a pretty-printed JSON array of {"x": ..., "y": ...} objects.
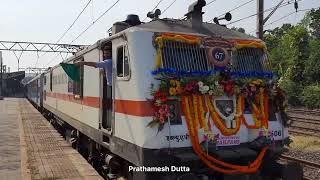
[
  {"x": 160, "y": 108},
  {"x": 188, "y": 106},
  {"x": 196, "y": 90},
  {"x": 254, "y": 92}
]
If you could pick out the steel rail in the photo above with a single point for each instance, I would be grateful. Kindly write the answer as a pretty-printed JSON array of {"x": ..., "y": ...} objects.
[{"x": 308, "y": 163}]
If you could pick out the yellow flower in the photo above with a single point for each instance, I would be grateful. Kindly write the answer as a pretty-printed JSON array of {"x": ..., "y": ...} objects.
[
  {"x": 172, "y": 91},
  {"x": 256, "y": 82},
  {"x": 178, "y": 84},
  {"x": 172, "y": 82}
]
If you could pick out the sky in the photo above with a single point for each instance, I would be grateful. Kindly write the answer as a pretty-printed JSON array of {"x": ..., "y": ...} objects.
[{"x": 46, "y": 21}]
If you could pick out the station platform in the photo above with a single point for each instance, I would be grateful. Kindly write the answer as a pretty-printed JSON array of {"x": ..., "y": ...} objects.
[{"x": 30, "y": 148}]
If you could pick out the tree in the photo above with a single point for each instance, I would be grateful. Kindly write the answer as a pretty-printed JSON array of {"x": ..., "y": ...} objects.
[
  {"x": 312, "y": 65},
  {"x": 272, "y": 40},
  {"x": 294, "y": 52},
  {"x": 315, "y": 23}
]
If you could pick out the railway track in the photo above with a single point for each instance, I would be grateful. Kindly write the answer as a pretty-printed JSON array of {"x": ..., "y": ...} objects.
[
  {"x": 298, "y": 132},
  {"x": 304, "y": 122},
  {"x": 305, "y": 128},
  {"x": 305, "y": 111},
  {"x": 305, "y": 163}
]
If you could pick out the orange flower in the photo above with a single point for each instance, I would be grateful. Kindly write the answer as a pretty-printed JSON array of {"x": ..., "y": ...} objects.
[
  {"x": 179, "y": 90},
  {"x": 172, "y": 91}
]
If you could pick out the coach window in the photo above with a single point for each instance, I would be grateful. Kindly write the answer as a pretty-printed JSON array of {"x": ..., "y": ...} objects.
[
  {"x": 44, "y": 80},
  {"x": 78, "y": 86},
  {"x": 123, "y": 70},
  {"x": 50, "y": 80}
]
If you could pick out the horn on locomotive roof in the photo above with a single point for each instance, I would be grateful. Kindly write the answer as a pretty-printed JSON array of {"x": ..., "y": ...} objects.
[
  {"x": 227, "y": 17},
  {"x": 154, "y": 15},
  {"x": 133, "y": 20},
  {"x": 195, "y": 13}
]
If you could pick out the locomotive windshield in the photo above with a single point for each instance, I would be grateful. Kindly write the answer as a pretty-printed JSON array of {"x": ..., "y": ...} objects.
[
  {"x": 250, "y": 60},
  {"x": 197, "y": 57}
]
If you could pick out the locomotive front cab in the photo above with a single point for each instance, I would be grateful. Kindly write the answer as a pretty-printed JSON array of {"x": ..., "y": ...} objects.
[{"x": 218, "y": 96}]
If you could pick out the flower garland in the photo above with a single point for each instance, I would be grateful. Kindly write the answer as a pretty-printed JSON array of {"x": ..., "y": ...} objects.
[
  {"x": 161, "y": 110},
  {"x": 177, "y": 37},
  {"x": 260, "y": 116},
  {"x": 206, "y": 158},
  {"x": 203, "y": 111},
  {"x": 251, "y": 91},
  {"x": 239, "y": 44}
]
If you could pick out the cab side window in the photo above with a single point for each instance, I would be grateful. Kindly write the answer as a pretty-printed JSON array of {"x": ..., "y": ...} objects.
[
  {"x": 122, "y": 62},
  {"x": 78, "y": 86}
]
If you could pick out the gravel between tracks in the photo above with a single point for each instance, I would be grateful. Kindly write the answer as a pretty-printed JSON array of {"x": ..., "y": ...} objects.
[{"x": 313, "y": 156}]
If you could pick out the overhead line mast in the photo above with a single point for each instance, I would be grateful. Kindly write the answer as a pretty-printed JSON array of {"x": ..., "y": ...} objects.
[
  {"x": 261, "y": 21},
  {"x": 260, "y": 4}
]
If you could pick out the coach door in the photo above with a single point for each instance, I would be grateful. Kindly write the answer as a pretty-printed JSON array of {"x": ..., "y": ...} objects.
[
  {"x": 120, "y": 73},
  {"x": 107, "y": 99}
]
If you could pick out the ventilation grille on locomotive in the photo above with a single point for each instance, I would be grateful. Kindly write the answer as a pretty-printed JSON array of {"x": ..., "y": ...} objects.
[
  {"x": 184, "y": 57},
  {"x": 250, "y": 60}
]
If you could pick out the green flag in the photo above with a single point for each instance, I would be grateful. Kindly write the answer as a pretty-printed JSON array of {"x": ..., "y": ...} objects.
[{"x": 72, "y": 71}]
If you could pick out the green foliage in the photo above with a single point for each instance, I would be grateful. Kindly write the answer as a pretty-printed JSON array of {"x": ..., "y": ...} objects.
[
  {"x": 311, "y": 96},
  {"x": 292, "y": 90},
  {"x": 312, "y": 65},
  {"x": 289, "y": 55},
  {"x": 315, "y": 23},
  {"x": 289, "y": 49}
]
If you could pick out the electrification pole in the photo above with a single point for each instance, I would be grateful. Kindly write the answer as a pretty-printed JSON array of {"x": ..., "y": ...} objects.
[{"x": 260, "y": 20}]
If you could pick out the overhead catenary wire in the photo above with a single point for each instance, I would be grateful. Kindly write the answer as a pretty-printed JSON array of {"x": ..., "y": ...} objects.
[
  {"x": 283, "y": 17},
  {"x": 87, "y": 28},
  {"x": 74, "y": 21},
  {"x": 168, "y": 6},
  {"x": 237, "y": 7},
  {"x": 252, "y": 15},
  {"x": 302, "y": 10},
  {"x": 210, "y": 2},
  {"x": 67, "y": 30},
  {"x": 234, "y": 9}
]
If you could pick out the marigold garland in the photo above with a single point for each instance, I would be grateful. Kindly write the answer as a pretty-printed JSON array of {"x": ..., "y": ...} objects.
[
  {"x": 209, "y": 160},
  {"x": 239, "y": 44},
  {"x": 176, "y": 37},
  {"x": 202, "y": 113},
  {"x": 260, "y": 116},
  {"x": 158, "y": 59}
]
